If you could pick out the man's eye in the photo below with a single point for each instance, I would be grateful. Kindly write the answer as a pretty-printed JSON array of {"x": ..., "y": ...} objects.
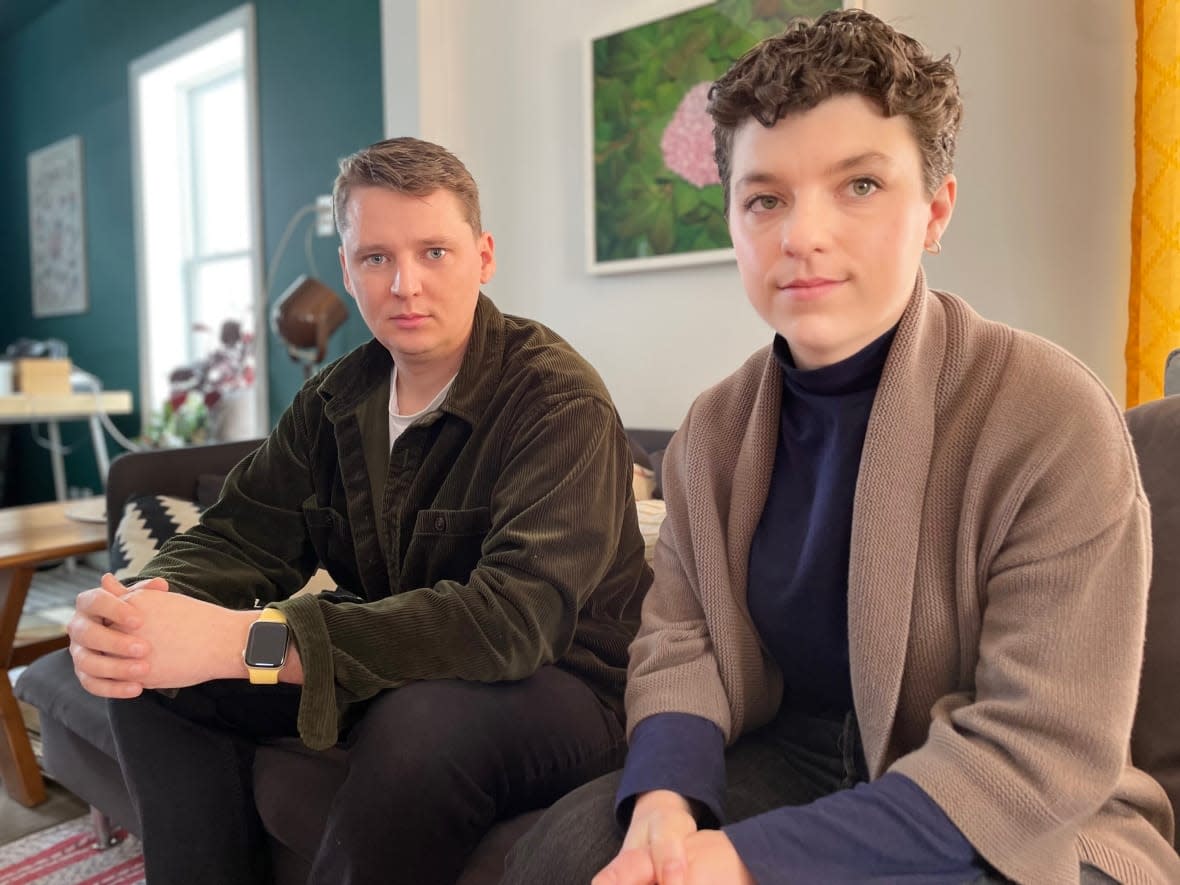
[
  {"x": 375, "y": 259},
  {"x": 862, "y": 187},
  {"x": 436, "y": 253}
]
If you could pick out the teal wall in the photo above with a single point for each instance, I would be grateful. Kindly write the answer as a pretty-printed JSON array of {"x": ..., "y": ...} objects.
[{"x": 66, "y": 73}]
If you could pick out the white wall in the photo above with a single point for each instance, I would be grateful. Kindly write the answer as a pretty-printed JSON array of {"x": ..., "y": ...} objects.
[
  {"x": 399, "y": 66},
  {"x": 1040, "y": 238}
]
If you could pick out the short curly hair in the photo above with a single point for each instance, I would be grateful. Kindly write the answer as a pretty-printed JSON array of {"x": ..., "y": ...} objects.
[
  {"x": 847, "y": 51},
  {"x": 409, "y": 166}
]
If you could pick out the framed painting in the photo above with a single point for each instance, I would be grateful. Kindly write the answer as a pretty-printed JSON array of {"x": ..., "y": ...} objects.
[
  {"x": 57, "y": 229},
  {"x": 653, "y": 193}
]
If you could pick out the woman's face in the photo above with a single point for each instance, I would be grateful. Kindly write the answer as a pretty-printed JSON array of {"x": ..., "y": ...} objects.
[{"x": 829, "y": 218}]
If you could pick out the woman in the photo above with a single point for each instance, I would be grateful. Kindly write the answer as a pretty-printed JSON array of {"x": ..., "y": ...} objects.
[{"x": 898, "y": 615}]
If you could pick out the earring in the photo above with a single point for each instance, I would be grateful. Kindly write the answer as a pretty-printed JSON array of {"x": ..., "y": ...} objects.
[{"x": 934, "y": 248}]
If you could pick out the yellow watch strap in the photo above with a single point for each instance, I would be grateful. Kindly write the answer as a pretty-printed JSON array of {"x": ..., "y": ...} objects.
[{"x": 267, "y": 676}]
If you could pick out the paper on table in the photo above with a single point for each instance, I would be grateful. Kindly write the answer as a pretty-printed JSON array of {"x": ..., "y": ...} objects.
[{"x": 88, "y": 510}]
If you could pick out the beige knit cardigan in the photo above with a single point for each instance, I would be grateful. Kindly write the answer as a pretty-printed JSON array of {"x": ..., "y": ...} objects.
[{"x": 996, "y": 591}]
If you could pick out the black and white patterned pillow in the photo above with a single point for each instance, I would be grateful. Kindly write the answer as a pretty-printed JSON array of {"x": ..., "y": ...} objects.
[{"x": 147, "y": 523}]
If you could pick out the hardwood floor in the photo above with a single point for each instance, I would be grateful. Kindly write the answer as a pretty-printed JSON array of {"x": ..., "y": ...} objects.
[{"x": 17, "y": 821}]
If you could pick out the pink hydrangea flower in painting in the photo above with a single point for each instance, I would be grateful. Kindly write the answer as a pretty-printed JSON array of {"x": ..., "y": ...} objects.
[{"x": 687, "y": 142}]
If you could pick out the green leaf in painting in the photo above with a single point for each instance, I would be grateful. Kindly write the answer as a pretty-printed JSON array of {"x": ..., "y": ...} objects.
[
  {"x": 661, "y": 231},
  {"x": 714, "y": 198},
  {"x": 685, "y": 197}
]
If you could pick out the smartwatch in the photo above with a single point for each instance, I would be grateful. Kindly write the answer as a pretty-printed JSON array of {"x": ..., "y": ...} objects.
[{"x": 266, "y": 647}]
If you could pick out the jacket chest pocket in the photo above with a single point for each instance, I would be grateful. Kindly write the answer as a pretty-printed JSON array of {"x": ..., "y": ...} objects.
[{"x": 446, "y": 545}]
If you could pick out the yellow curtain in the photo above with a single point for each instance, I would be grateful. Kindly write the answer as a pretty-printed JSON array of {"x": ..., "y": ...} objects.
[{"x": 1154, "y": 328}]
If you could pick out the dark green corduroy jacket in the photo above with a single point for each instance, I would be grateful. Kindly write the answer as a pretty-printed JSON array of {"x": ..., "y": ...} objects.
[{"x": 497, "y": 537}]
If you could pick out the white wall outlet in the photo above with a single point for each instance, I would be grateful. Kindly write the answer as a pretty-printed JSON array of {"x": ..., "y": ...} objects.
[{"x": 324, "y": 226}]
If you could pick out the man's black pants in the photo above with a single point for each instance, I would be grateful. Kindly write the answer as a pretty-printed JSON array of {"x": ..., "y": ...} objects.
[{"x": 431, "y": 767}]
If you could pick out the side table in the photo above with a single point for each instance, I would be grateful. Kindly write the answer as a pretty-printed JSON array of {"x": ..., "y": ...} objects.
[
  {"x": 29, "y": 536},
  {"x": 28, "y": 408}
]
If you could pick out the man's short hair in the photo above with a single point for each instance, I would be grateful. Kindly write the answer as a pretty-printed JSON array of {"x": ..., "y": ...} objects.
[
  {"x": 408, "y": 166},
  {"x": 847, "y": 51}
]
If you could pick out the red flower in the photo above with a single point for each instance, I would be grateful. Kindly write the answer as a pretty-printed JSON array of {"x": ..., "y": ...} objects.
[{"x": 230, "y": 366}]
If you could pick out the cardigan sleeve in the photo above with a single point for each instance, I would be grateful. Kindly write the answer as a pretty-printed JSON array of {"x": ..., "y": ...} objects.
[{"x": 673, "y": 667}]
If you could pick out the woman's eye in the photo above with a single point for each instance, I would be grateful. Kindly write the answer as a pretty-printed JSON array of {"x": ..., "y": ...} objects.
[
  {"x": 862, "y": 187},
  {"x": 436, "y": 253},
  {"x": 763, "y": 203}
]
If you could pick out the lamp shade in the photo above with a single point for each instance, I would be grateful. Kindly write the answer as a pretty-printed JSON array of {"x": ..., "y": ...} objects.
[{"x": 305, "y": 316}]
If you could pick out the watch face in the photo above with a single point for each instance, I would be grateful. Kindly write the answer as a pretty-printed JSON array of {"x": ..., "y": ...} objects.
[{"x": 266, "y": 645}]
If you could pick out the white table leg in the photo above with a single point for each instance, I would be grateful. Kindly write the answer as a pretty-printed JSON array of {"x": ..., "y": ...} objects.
[
  {"x": 58, "y": 460},
  {"x": 100, "y": 449},
  {"x": 59, "y": 475}
]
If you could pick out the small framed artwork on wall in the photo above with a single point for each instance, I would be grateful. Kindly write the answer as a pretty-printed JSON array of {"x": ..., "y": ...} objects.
[
  {"x": 57, "y": 229},
  {"x": 653, "y": 193}
]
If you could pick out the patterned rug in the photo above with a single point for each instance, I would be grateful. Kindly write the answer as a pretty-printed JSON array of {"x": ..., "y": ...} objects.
[
  {"x": 66, "y": 855},
  {"x": 50, "y": 603}
]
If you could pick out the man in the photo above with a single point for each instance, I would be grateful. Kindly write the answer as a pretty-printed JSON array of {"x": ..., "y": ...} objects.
[{"x": 465, "y": 479}]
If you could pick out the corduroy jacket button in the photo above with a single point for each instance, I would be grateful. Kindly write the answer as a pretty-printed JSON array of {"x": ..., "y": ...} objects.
[{"x": 440, "y": 523}]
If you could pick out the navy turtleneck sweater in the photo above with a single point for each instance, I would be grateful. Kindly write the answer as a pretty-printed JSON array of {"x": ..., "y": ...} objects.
[
  {"x": 798, "y": 599},
  {"x": 798, "y": 570}
]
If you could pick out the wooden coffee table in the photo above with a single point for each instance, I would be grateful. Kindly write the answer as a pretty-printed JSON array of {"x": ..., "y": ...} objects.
[{"x": 29, "y": 536}]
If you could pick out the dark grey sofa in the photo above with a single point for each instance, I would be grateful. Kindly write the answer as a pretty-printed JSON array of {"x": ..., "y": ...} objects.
[
  {"x": 78, "y": 748},
  {"x": 1155, "y": 741}
]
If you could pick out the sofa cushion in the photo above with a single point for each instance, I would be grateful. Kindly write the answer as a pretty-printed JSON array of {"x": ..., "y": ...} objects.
[
  {"x": 651, "y": 517},
  {"x": 648, "y": 462},
  {"x": 148, "y": 522},
  {"x": 50, "y": 685},
  {"x": 643, "y": 482},
  {"x": 657, "y": 472},
  {"x": 1155, "y": 741},
  {"x": 638, "y": 452},
  {"x": 209, "y": 489}
]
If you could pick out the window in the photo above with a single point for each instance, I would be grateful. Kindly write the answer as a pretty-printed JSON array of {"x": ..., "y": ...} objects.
[{"x": 197, "y": 217}]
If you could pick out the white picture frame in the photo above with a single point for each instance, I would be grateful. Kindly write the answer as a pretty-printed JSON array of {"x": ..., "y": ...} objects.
[
  {"x": 57, "y": 229},
  {"x": 689, "y": 245}
]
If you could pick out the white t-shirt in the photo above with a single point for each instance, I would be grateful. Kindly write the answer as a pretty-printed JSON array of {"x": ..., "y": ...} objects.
[{"x": 399, "y": 422}]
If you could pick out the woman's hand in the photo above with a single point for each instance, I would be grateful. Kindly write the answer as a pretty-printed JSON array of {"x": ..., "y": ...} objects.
[
  {"x": 711, "y": 858},
  {"x": 664, "y": 847},
  {"x": 653, "y": 852}
]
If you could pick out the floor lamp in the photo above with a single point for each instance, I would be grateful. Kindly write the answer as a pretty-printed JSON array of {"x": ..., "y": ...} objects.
[{"x": 304, "y": 317}]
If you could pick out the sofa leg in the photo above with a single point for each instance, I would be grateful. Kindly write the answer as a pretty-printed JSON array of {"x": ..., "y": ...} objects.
[{"x": 104, "y": 836}]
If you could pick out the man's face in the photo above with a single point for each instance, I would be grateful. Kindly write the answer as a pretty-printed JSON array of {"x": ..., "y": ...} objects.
[
  {"x": 414, "y": 266},
  {"x": 828, "y": 218}
]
